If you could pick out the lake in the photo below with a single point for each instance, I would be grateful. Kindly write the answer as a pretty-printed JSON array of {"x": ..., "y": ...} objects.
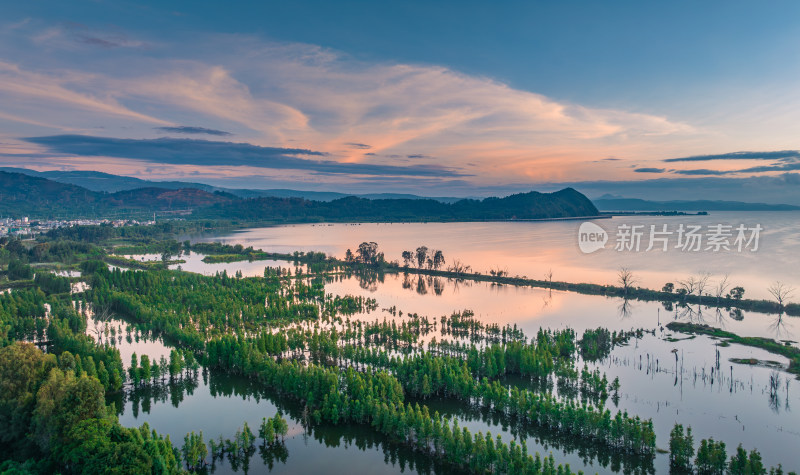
[
  {"x": 664, "y": 376},
  {"x": 729, "y": 401},
  {"x": 534, "y": 248}
]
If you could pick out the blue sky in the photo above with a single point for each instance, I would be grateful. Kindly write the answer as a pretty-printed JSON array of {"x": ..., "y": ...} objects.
[{"x": 467, "y": 97}]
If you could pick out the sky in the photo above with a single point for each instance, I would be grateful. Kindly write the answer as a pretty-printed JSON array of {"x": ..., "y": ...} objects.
[{"x": 663, "y": 100}]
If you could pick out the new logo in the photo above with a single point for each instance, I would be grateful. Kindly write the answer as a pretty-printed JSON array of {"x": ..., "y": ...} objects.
[{"x": 591, "y": 237}]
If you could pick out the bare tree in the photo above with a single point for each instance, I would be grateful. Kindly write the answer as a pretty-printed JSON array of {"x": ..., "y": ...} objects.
[
  {"x": 459, "y": 267},
  {"x": 781, "y": 292},
  {"x": 626, "y": 279},
  {"x": 689, "y": 286},
  {"x": 702, "y": 283},
  {"x": 548, "y": 276},
  {"x": 721, "y": 287},
  {"x": 499, "y": 272},
  {"x": 101, "y": 314}
]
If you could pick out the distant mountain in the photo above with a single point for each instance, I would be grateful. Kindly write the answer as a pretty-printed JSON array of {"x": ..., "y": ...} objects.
[
  {"x": 22, "y": 194},
  {"x": 332, "y": 195},
  {"x": 635, "y": 204},
  {"x": 533, "y": 205},
  {"x": 99, "y": 181},
  {"x": 166, "y": 199}
]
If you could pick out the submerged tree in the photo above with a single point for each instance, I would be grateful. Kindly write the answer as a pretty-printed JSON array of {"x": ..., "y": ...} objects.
[
  {"x": 194, "y": 450},
  {"x": 408, "y": 258},
  {"x": 626, "y": 279},
  {"x": 781, "y": 292},
  {"x": 422, "y": 256},
  {"x": 681, "y": 449}
]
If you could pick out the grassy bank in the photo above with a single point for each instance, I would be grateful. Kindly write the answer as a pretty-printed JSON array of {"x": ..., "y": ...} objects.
[{"x": 772, "y": 346}]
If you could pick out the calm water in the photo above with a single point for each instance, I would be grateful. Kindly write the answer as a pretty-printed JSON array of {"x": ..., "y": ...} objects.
[
  {"x": 533, "y": 248},
  {"x": 220, "y": 405},
  {"x": 733, "y": 406},
  {"x": 726, "y": 400}
]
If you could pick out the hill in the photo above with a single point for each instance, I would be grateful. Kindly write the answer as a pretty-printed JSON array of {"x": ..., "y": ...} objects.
[
  {"x": 24, "y": 195},
  {"x": 635, "y": 204},
  {"x": 99, "y": 181},
  {"x": 532, "y": 205}
]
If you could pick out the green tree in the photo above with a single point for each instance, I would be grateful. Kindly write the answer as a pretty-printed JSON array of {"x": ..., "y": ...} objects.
[
  {"x": 736, "y": 293},
  {"x": 267, "y": 431},
  {"x": 133, "y": 370},
  {"x": 681, "y": 449},
  {"x": 711, "y": 457},
  {"x": 194, "y": 450},
  {"x": 145, "y": 370},
  {"x": 280, "y": 425},
  {"x": 22, "y": 368},
  {"x": 175, "y": 363},
  {"x": 63, "y": 401}
]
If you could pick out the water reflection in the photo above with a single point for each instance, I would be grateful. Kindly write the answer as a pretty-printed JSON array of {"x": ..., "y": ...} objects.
[
  {"x": 173, "y": 391},
  {"x": 533, "y": 248},
  {"x": 574, "y": 450},
  {"x": 218, "y": 404}
]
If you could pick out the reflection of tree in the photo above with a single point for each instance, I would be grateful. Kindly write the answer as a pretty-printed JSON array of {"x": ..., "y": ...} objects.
[
  {"x": 612, "y": 460},
  {"x": 721, "y": 317},
  {"x": 422, "y": 288},
  {"x": 406, "y": 281},
  {"x": 778, "y": 327},
  {"x": 736, "y": 314},
  {"x": 457, "y": 283},
  {"x": 438, "y": 286},
  {"x": 686, "y": 312},
  {"x": 368, "y": 279},
  {"x": 273, "y": 453},
  {"x": 547, "y": 299},
  {"x": 223, "y": 385},
  {"x": 625, "y": 309},
  {"x": 774, "y": 384},
  {"x": 175, "y": 391}
]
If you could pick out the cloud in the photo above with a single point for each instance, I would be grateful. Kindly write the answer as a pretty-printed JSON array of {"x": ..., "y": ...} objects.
[
  {"x": 298, "y": 93},
  {"x": 69, "y": 33},
  {"x": 705, "y": 171},
  {"x": 781, "y": 167},
  {"x": 649, "y": 170},
  {"x": 184, "y": 129},
  {"x": 782, "y": 161},
  {"x": 211, "y": 153},
  {"x": 784, "y": 167},
  {"x": 289, "y": 94},
  {"x": 777, "y": 155},
  {"x": 48, "y": 90},
  {"x": 360, "y": 146}
]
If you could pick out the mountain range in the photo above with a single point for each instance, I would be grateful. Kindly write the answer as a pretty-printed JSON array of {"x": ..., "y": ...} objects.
[
  {"x": 613, "y": 203},
  {"x": 38, "y": 197},
  {"x": 106, "y": 182},
  {"x": 99, "y": 181}
]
